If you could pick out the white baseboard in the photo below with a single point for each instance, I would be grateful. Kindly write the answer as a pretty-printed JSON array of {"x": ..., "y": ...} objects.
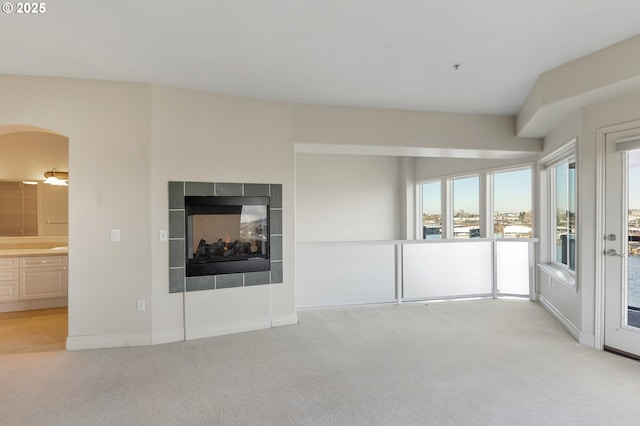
[
  {"x": 167, "y": 336},
  {"x": 280, "y": 320},
  {"x": 582, "y": 338},
  {"x": 588, "y": 340},
  {"x": 176, "y": 335},
  {"x": 108, "y": 341},
  {"x": 27, "y": 305},
  {"x": 571, "y": 328},
  {"x": 229, "y": 328}
]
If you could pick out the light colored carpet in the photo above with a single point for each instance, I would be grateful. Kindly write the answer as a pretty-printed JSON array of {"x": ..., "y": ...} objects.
[{"x": 486, "y": 362}]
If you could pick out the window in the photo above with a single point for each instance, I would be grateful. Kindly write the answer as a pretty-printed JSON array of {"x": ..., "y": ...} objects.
[
  {"x": 512, "y": 204},
  {"x": 562, "y": 195},
  {"x": 431, "y": 194},
  {"x": 466, "y": 207},
  {"x": 463, "y": 206}
]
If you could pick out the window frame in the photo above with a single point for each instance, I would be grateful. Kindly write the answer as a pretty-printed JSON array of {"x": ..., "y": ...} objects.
[
  {"x": 481, "y": 195},
  {"x": 485, "y": 193},
  {"x": 552, "y": 198},
  {"x": 566, "y": 154},
  {"x": 491, "y": 196},
  {"x": 419, "y": 207}
]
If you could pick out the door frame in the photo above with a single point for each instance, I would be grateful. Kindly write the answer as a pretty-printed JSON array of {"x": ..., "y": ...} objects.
[{"x": 601, "y": 139}]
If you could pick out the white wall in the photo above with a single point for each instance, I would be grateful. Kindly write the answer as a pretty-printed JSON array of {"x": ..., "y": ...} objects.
[
  {"x": 125, "y": 142},
  {"x": 204, "y": 138},
  {"x": 347, "y": 198},
  {"x": 603, "y": 75},
  {"x": 427, "y": 168},
  {"x": 579, "y": 307},
  {"x": 108, "y": 129},
  {"x": 408, "y": 133},
  {"x": 27, "y": 155},
  {"x": 563, "y": 298}
]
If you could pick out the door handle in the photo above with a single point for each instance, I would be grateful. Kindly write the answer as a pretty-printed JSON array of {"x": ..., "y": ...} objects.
[{"x": 613, "y": 252}]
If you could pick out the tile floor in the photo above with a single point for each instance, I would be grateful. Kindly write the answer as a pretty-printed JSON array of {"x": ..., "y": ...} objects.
[{"x": 39, "y": 330}]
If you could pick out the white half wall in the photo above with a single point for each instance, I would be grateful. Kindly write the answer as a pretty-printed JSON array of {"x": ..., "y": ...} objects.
[{"x": 347, "y": 198}]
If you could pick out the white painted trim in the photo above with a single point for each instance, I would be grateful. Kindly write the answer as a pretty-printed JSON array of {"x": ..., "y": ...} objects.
[
  {"x": 282, "y": 320},
  {"x": 167, "y": 336},
  {"x": 399, "y": 276},
  {"x": 228, "y": 328},
  {"x": 588, "y": 340},
  {"x": 564, "y": 152},
  {"x": 346, "y": 305},
  {"x": 25, "y": 305},
  {"x": 108, "y": 341},
  {"x": 560, "y": 275},
  {"x": 599, "y": 310},
  {"x": 418, "y": 211},
  {"x": 571, "y": 328},
  {"x": 408, "y": 151}
]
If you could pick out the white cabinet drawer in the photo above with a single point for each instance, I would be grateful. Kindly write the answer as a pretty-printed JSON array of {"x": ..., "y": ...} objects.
[
  {"x": 43, "y": 261},
  {"x": 8, "y": 262},
  {"x": 8, "y": 275},
  {"x": 9, "y": 291}
]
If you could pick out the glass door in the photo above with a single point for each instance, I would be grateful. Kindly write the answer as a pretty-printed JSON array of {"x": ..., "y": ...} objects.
[
  {"x": 622, "y": 242},
  {"x": 633, "y": 239}
]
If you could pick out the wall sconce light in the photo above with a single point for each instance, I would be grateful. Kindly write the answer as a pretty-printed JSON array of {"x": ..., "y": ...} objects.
[{"x": 55, "y": 177}]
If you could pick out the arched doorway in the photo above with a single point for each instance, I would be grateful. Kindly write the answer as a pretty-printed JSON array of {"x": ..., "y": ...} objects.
[{"x": 33, "y": 240}]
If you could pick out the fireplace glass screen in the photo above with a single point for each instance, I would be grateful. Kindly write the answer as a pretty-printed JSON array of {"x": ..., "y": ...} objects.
[{"x": 226, "y": 235}]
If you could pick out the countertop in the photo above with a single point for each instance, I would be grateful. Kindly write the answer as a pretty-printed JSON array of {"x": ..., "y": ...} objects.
[{"x": 34, "y": 252}]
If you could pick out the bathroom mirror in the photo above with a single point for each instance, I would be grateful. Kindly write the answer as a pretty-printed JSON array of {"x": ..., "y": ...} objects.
[{"x": 29, "y": 208}]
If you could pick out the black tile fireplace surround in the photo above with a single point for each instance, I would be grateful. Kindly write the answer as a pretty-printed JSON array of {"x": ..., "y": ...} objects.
[{"x": 252, "y": 237}]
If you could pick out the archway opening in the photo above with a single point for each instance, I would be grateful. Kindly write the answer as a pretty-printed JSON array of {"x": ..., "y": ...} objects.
[{"x": 33, "y": 240}]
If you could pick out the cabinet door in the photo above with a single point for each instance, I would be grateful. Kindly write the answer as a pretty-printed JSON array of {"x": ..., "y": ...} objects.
[
  {"x": 42, "y": 283},
  {"x": 8, "y": 291}
]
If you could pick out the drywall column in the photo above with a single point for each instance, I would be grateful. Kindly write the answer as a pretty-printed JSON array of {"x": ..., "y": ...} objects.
[{"x": 408, "y": 227}]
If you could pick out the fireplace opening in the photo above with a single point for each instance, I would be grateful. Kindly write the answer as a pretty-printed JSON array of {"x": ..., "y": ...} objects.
[{"x": 226, "y": 235}]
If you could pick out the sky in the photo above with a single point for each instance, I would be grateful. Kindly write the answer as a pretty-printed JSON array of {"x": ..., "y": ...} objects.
[{"x": 512, "y": 193}]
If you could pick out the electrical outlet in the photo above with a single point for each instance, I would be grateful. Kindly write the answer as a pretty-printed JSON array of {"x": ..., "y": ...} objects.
[
  {"x": 140, "y": 305},
  {"x": 164, "y": 235},
  {"x": 115, "y": 235}
]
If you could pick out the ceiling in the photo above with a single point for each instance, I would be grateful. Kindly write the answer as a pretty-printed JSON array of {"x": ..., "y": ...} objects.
[{"x": 373, "y": 53}]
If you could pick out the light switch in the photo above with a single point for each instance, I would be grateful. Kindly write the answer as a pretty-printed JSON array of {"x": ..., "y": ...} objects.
[
  {"x": 115, "y": 235},
  {"x": 164, "y": 235}
]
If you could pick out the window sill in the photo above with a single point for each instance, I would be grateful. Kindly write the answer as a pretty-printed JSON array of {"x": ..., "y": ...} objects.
[{"x": 563, "y": 277}]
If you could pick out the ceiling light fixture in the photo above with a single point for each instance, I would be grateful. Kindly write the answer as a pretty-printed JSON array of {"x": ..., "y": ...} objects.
[{"x": 55, "y": 177}]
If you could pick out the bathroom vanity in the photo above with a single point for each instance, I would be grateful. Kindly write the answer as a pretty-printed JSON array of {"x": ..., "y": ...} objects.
[{"x": 33, "y": 278}]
